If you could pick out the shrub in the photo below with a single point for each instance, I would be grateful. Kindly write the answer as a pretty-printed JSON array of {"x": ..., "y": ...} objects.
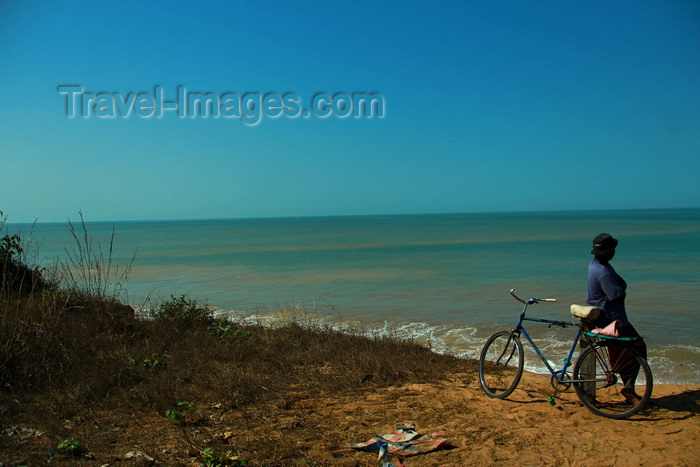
[
  {"x": 181, "y": 309},
  {"x": 10, "y": 246},
  {"x": 15, "y": 275}
]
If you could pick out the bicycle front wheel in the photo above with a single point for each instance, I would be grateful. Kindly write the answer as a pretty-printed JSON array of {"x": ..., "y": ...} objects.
[
  {"x": 501, "y": 364},
  {"x": 612, "y": 380}
]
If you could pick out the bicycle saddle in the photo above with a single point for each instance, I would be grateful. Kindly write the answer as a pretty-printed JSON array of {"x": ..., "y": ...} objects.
[{"x": 584, "y": 311}]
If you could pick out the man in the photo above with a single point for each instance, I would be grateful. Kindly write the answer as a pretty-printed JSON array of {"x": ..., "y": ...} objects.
[{"x": 607, "y": 291}]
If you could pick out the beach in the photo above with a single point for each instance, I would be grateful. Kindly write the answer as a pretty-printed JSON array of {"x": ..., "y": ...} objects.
[
  {"x": 523, "y": 430},
  {"x": 527, "y": 430}
]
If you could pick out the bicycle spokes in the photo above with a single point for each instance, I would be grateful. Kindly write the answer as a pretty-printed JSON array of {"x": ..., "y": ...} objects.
[
  {"x": 612, "y": 380},
  {"x": 501, "y": 365},
  {"x": 509, "y": 349}
]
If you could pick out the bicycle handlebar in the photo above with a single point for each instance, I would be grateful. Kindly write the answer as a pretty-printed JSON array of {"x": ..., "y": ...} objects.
[{"x": 530, "y": 301}]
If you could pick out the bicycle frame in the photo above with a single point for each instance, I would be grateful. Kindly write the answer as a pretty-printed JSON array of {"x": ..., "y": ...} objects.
[{"x": 558, "y": 375}]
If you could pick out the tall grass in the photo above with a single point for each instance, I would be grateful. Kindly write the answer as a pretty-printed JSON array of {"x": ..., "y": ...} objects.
[{"x": 88, "y": 270}]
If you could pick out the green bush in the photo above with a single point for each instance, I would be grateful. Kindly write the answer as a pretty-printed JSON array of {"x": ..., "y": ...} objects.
[
  {"x": 10, "y": 246},
  {"x": 182, "y": 308},
  {"x": 15, "y": 274}
]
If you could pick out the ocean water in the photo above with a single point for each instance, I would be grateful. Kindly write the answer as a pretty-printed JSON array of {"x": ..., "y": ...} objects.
[{"x": 442, "y": 279}]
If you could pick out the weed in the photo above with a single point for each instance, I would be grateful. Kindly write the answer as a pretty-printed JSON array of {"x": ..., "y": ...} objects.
[
  {"x": 184, "y": 408},
  {"x": 222, "y": 329},
  {"x": 72, "y": 447},
  {"x": 155, "y": 361},
  {"x": 211, "y": 459},
  {"x": 225, "y": 330},
  {"x": 174, "y": 415}
]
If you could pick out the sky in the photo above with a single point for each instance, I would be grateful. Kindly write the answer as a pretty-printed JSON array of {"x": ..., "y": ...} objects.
[{"x": 485, "y": 106}]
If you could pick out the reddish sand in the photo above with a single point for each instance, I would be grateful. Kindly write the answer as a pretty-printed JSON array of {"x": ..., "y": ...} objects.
[
  {"x": 524, "y": 430},
  {"x": 301, "y": 430}
]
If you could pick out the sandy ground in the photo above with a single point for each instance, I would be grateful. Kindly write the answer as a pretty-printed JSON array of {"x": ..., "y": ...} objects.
[
  {"x": 524, "y": 430},
  {"x": 302, "y": 431}
]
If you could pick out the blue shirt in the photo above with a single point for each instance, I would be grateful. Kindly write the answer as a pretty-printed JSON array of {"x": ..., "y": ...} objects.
[{"x": 607, "y": 291}]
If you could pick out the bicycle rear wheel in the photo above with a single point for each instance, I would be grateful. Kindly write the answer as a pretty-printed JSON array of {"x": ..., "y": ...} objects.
[
  {"x": 501, "y": 364},
  {"x": 607, "y": 385}
]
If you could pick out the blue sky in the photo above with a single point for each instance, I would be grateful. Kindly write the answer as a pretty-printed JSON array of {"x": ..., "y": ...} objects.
[{"x": 489, "y": 106}]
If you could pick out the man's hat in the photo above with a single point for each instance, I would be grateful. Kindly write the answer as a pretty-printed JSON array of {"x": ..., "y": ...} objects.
[{"x": 603, "y": 244}]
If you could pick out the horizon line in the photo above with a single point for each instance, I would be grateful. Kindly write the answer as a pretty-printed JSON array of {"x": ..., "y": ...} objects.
[{"x": 321, "y": 216}]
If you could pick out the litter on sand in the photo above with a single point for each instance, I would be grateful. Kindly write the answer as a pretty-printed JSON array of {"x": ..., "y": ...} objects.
[{"x": 404, "y": 442}]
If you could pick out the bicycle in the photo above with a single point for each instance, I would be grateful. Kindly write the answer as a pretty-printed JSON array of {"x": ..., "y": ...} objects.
[{"x": 598, "y": 375}]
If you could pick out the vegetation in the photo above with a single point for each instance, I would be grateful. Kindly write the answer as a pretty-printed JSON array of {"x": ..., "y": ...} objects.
[
  {"x": 87, "y": 270},
  {"x": 82, "y": 370},
  {"x": 181, "y": 309},
  {"x": 72, "y": 447}
]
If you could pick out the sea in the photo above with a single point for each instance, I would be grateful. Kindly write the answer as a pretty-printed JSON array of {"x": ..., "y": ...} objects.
[{"x": 440, "y": 279}]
